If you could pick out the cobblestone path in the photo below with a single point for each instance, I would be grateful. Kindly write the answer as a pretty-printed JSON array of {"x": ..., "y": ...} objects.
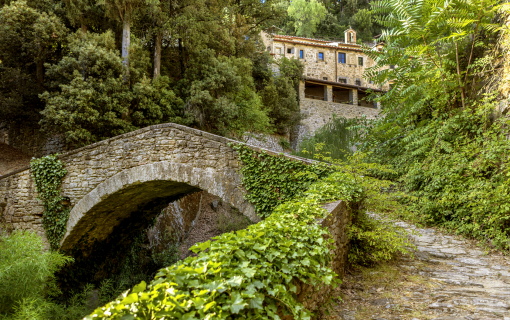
[{"x": 449, "y": 279}]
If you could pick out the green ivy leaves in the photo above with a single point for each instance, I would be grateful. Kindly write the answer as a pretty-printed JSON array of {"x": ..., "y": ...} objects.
[
  {"x": 272, "y": 180},
  {"x": 48, "y": 173},
  {"x": 250, "y": 274}
]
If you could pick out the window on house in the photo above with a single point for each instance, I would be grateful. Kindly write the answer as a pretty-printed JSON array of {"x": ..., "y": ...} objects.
[
  {"x": 301, "y": 54},
  {"x": 290, "y": 50},
  {"x": 358, "y": 82},
  {"x": 392, "y": 66},
  {"x": 324, "y": 78},
  {"x": 360, "y": 61},
  {"x": 341, "y": 57},
  {"x": 268, "y": 48},
  {"x": 342, "y": 80},
  {"x": 321, "y": 56}
]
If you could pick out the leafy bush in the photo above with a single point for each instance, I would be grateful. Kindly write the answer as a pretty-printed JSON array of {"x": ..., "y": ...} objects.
[
  {"x": 334, "y": 139},
  {"x": 442, "y": 131},
  {"x": 90, "y": 100},
  {"x": 26, "y": 272}
]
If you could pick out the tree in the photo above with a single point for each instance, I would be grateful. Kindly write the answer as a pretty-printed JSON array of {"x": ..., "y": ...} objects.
[
  {"x": 280, "y": 100},
  {"x": 91, "y": 101},
  {"x": 28, "y": 38},
  {"x": 307, "y": 15},
  {"x": 362, "y": 21},
  {"x": 82, "y": 12},
  {"x": 122, "y": 11},
  {"x": 222, "y": 96}
]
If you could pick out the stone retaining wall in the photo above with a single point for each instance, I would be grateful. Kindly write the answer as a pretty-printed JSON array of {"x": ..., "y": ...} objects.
[
  {"x": 337, "y": 222},
  {"x": 28, "y": 138},
  {"x": 317, "y": 113}
]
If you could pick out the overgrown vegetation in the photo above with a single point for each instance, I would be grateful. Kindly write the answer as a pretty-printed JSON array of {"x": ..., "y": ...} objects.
[
  {"x": 48, "y": 173},
  {"x": 334, "y": 139},
  {"x": 442, "y": 131},
  {"x": 27, "y": 276},
  {"x": 270, "y": 181},
  {"x": 90, "y": 70},
  {"x": 250, "y": 273}
]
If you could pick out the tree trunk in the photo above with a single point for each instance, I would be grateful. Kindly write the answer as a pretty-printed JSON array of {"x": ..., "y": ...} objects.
[
  {"x": 126, "y": 40},
  {"x": 157, "y": 54},
  {"x": 40, "y": 73},
  {"x": 83, "y": 28},
  {"x": 181, "y": 57}
]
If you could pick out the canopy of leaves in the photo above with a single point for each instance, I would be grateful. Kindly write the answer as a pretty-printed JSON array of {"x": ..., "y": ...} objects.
[
  {"x": 92, "y": 101},
  {"x": 306, "y": 14}
]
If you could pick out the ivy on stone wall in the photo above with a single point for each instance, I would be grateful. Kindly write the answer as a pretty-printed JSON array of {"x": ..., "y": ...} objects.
[
  {"x": 48, "y": 173},
  {"x": 249, "y": 274},
  {"x": 272, "y": 180}
]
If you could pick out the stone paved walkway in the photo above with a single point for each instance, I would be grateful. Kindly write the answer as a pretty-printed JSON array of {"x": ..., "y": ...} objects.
[{"x": 449, "y": 279}]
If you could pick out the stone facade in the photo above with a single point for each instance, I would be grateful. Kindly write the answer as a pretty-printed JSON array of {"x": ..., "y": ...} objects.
[
  {"x": 110, "y": 180},
  {"x": 333, "y": 80},
  {"x": 28, "y": 138},
  {"x": 328, "y": 67}
]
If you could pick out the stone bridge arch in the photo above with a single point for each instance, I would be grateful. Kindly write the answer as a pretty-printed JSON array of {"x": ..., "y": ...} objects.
[
  {"x": 134, "y": 173},
  {"x": 146, "y": 190}
]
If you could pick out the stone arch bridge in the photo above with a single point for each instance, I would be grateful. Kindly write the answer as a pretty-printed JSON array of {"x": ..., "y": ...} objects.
[{"x": 134, "y": 174}]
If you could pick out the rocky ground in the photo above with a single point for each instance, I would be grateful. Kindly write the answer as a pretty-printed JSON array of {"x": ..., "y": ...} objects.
[{"x": 449, "y": 279}]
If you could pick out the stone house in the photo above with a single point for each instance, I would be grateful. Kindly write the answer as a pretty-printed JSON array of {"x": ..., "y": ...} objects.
[{"x": 333, "y": 81}]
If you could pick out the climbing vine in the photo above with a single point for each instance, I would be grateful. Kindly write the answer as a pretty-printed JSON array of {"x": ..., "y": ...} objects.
[
  {"x": 272, "y": 180},
  {"x": 48, "y": 173}
]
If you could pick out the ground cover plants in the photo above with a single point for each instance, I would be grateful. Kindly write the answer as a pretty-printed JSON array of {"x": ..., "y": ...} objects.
[{"x": 249, "y": 273}]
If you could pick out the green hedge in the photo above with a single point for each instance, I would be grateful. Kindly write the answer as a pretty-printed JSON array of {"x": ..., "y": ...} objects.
[{"x": 246, "y": 274}]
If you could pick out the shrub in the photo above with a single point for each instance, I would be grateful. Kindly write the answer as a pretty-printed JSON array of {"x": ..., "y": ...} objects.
[
  {"x": 26, "y": 271},
  {"x": 332, "y": 139}
]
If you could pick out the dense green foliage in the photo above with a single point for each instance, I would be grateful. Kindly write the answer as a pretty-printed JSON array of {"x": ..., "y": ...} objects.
[
  {"x": 48, "y": 173},
  {"x": 248, "y": 273},
  {"x": 442, "y": 131},
  {"x": 26, "y": 273},
  {"x": 329, "y": 19},
  {"x": 91, "y": 70},
  {"x": 251, "y": 273},
  {"x": 91, "y": 102},
  {"x": 334, "y": 139},
  {"x": 272, "y": 180}
]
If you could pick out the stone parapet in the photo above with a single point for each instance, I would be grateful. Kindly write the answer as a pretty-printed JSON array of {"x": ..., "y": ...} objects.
[{"x": 336, "y": 223}]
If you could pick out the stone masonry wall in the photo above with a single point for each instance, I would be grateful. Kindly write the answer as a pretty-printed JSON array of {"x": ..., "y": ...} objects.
[
  {"x": 28, "y": 138},
  {"x": 317, "y": 113},
  {"x": 266, "y": 141},
  {"x": 336, "y": 222},
  {"x": 88, "y": 167},
  {"x": 329, "y": 67}
]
